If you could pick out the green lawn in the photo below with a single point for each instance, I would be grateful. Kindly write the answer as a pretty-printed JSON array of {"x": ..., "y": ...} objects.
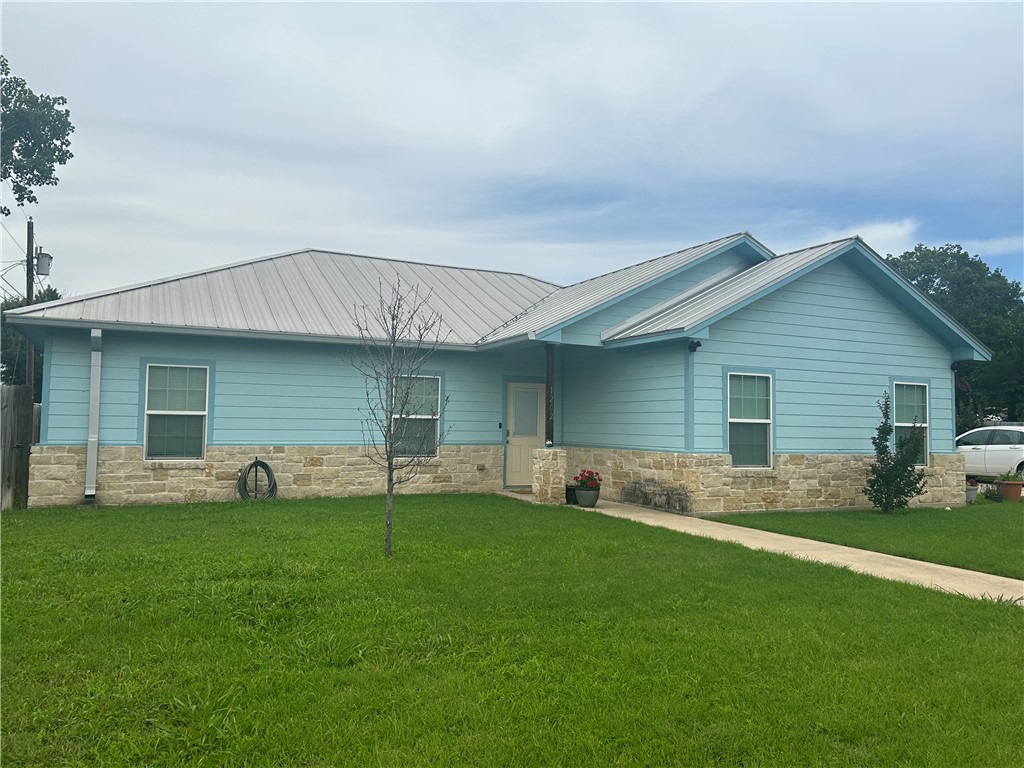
[
  {"x": 501, "y": 634},
  {"x": 984, "y": 536}
]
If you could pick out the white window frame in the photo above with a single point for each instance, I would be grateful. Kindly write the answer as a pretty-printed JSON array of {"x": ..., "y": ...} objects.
[
  {"x": 435, "y": 417},
  {"x": 204, "y": 413},
  {"x": 901, "y": 424},
  {"x": 770, "y": 421}
]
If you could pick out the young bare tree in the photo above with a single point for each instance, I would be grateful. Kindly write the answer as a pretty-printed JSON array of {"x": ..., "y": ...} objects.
[{"x": 401, "y": 425}]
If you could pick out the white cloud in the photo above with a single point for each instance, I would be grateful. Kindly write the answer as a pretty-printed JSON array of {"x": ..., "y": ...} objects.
[
  {"x": 996, "y": 246},
  {"x": 559, "y": 140},
  {"x": 885, "y": 237}
]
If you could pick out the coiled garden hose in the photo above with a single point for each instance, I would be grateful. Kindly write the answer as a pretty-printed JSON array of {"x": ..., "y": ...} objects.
[{"x": 257, "y": 481}]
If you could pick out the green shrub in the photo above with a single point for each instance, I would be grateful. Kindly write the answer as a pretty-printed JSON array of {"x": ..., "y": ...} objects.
[{"x": 893, "y": 478}]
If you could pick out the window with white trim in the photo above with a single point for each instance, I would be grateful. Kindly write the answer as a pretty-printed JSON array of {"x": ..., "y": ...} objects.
[
  {"x": 910, "y": 409},
  {"x": 750, "y": 419},
  {"x": 417, "y": 415},
  {"x": 176, "y": 410}
]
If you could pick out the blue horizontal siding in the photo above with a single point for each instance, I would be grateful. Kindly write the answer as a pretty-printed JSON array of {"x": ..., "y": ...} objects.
[
  {"x": 631, "y": 398},
  {"x": 834, "y": 342},
  {"x": 265, "y": 393},
  {"x": 65, "y": 418}
]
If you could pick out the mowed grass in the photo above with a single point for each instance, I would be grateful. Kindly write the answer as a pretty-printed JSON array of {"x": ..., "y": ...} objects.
[
  {"x": 984, "y": 536},
  {"x": 500, "y": 634}
]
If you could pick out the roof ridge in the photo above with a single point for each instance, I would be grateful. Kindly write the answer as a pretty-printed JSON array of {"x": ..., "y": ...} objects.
[
  {"x": 848, "y": 239},
  {"x": 427, "y": 264},
  {"x": 658, "y": 258}
]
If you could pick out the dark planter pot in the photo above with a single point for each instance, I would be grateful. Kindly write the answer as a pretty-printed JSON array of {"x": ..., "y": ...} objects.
[
  {"x": 570, "y": 494},
  {"x": 1010, "y": 489},
  {"x": 587, "y": 497}
]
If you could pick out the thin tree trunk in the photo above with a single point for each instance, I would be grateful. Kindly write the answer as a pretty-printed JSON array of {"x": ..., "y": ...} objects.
[{"x": 389, "y": 509}]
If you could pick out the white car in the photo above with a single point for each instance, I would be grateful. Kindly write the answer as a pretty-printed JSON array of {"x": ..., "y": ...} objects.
[{"x": 992, "y": 451}]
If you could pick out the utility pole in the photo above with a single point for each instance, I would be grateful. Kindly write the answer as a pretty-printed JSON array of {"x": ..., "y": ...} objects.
[{"x": 30, "y": 277}]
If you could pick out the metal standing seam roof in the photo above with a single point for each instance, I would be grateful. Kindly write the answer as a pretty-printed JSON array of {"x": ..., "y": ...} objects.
[
  {"x": 315, "y": 294},
  {"x": 692, "y": 312},
  {"x": 565, "y": 304},
  {"x": 305, "y": 293}
]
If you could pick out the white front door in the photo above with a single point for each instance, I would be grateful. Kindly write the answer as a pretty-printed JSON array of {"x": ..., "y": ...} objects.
[{"x": 524, "y": 431}]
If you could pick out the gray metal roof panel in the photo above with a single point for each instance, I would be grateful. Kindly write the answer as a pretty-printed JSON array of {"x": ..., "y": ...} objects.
[
  {"x": 690, "y": 313},
  {"x": 310, "y": 293},
  {"x": 571, "y": 301}
]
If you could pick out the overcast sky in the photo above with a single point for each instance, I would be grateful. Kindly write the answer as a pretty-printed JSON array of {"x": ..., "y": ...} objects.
[{"x": 561, "y": 141}]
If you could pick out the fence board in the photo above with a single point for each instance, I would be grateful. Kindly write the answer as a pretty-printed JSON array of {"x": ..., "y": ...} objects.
[{"x": 16, "y": 417}]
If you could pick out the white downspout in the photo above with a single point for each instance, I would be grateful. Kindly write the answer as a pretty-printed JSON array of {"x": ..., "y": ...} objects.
[{"x": 93, "y": 445}]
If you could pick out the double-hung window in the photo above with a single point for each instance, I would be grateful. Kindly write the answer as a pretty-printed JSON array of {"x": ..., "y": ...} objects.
[
  {"x": 750, "y": 419},
  {"x": 176, "y": 403},
  {"x": 416, "y": 417},
  {"x": 910, "y": 409}
]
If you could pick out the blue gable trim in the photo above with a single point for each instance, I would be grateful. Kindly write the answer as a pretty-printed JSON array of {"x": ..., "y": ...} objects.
[
  {"x": 962, "y": 343},
  {"x": 871, "y": 266}
]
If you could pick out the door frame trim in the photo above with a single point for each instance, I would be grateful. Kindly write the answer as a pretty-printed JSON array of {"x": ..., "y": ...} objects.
[{"x": 505, "y": 381}]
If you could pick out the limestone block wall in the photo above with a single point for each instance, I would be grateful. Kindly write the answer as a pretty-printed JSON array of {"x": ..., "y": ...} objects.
[
  {"x": 549, "y": 475},
  {"x": 796, "y": 481},
  {"x": 57, "y": 476},
  {"x": 57, "y": 473}
]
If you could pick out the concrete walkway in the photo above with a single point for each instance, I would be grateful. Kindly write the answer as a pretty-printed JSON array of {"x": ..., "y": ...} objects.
[{"x": 941, "y": 577}]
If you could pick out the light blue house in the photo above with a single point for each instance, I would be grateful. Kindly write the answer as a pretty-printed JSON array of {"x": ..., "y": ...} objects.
[{"x": 750, "y": 379}]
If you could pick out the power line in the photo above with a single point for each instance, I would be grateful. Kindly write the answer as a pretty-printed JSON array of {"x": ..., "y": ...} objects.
[
  {"x": 17, "y": 293},
  {"x": 20, "y": 247}
]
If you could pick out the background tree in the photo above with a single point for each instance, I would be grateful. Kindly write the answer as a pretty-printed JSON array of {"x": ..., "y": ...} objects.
[
  {"x": 397, "y": 337},
  {"x": 13, "y": 345},
  {"x": 35, "y": 137},
  {"x": 893, "y": 479},
  {"x": 988, "y": 305}
]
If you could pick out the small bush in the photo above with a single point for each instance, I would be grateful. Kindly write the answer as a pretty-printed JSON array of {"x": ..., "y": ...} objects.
[{"x": 893, "y": 479}]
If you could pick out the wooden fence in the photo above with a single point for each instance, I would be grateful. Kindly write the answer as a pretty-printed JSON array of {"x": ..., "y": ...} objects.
[{"x": 16, "y": 437}]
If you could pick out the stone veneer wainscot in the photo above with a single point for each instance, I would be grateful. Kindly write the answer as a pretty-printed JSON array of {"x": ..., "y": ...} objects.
[
  {"x": 57, "y": 473},
  {"x": 796, "y": 481},
  {"x": 815, "y": 481}
]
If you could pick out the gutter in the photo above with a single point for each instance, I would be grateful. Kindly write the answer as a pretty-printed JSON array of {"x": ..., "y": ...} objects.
[{"x": 36, "y": 327}]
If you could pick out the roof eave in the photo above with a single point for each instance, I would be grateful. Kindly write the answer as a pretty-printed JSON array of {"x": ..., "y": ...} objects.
[
  {"x": 676, "y": 334},
  {"x": 35, "y": 329}
]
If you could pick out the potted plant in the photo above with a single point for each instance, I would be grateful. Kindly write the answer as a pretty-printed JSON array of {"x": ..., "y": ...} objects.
[
  {"x": 588, "y": 487},
  {"x": 972, "y": 490},
  {"x": 1010, "y": 484}
]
